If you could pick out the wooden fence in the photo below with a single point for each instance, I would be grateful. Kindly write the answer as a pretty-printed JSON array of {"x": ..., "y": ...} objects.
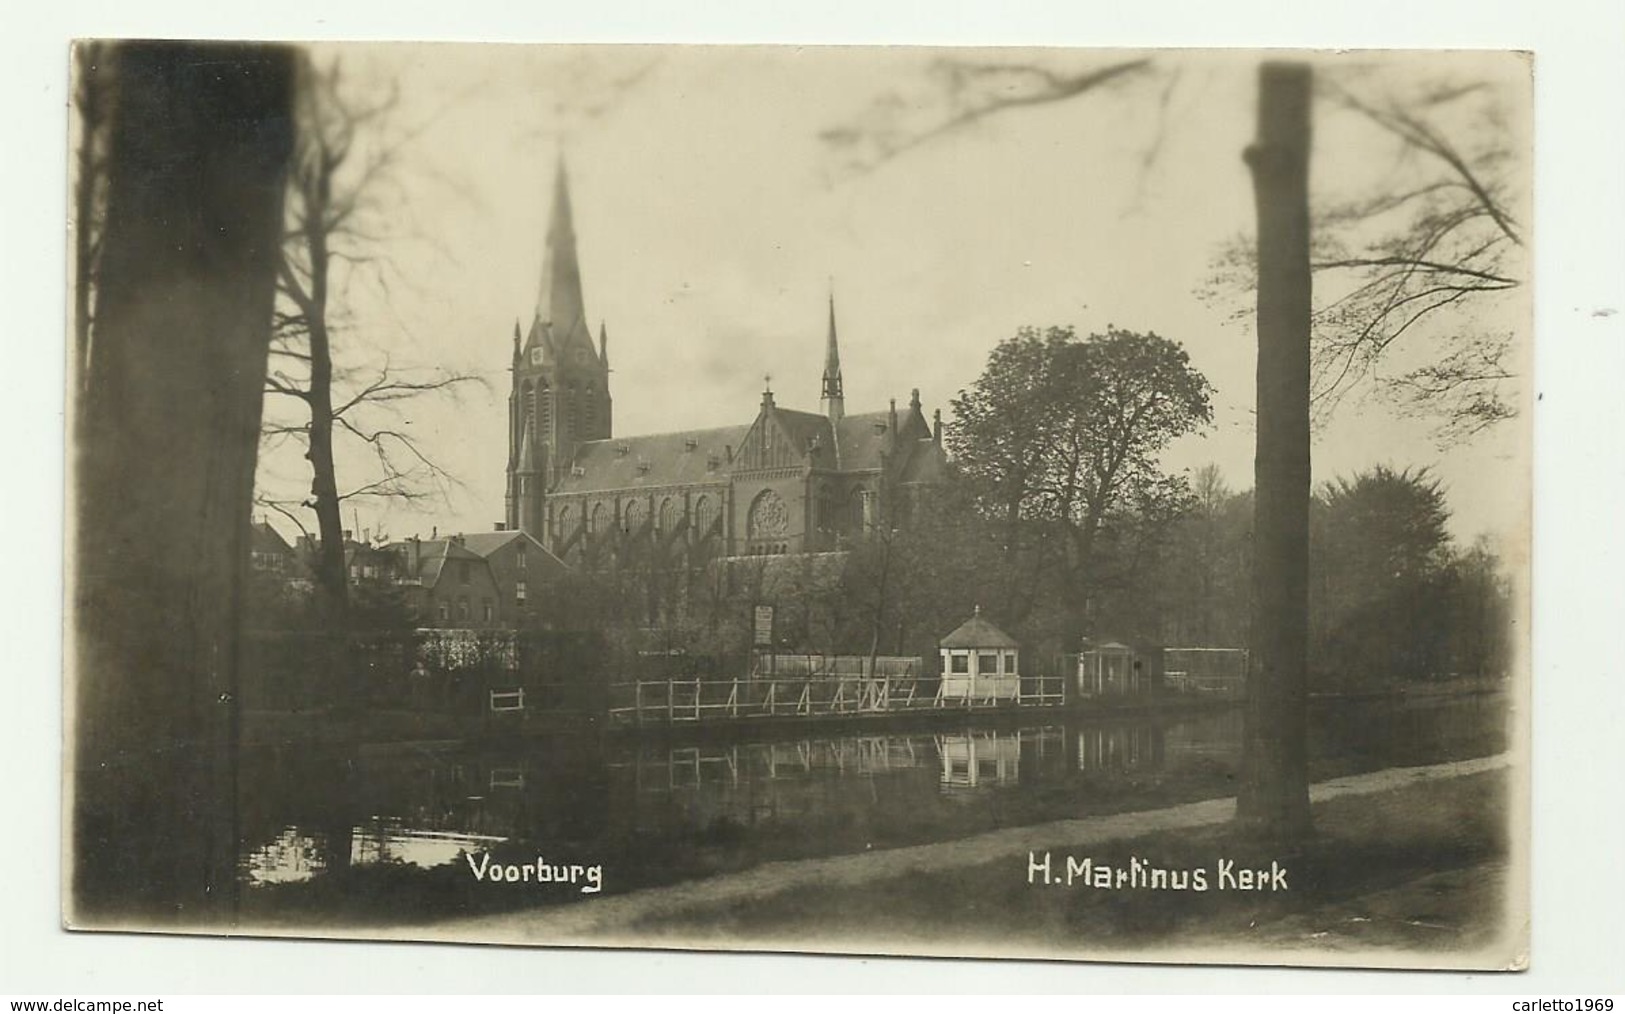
[{"x": 673, "y": 701}]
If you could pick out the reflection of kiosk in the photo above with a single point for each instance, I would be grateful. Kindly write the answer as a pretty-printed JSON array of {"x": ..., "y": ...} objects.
[
  {"x": 973, "y": 760},
  {"x": 980, "y": 662}
]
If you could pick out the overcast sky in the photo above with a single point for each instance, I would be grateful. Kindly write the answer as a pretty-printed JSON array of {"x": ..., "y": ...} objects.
[{"x": 712, "y": 221}]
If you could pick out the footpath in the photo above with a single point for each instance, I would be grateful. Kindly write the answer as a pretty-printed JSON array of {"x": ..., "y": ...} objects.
[{"x": 780, "y": 901}]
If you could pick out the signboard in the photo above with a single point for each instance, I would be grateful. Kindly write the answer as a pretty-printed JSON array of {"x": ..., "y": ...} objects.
[{"x": 764, "y": 627}]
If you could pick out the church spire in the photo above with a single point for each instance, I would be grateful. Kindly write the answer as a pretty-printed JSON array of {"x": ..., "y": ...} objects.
[
  {"x": 559, "y": 304},
  {"x": 833, "y": 402}
]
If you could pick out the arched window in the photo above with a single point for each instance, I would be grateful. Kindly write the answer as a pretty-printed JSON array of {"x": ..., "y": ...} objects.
[
  {"x": 632, "y": 517},
  {"x": 565, "y": 523},
  {"x": 854, "y": 510},
  {"x": 705, "y": 516},
  {"x": 544, "y": 412},
  {"x": 600, "y": 519},
  {"x": 829, "y": 511},
  {"x": 769, "y": 518},
  {"x": 668, "y": 516}
]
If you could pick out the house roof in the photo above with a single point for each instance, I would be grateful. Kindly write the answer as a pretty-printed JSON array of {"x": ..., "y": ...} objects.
[
  {"x": 262, "y": 538},
  {"x": 659, "y": 459},
  {"x": 432, "y": 557},
  {"x": 484, "y": 544},
  {"x": 979, "y": 632}
]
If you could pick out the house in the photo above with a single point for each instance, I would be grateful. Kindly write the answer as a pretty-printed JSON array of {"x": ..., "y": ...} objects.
[
  {"x": 980, "y": 662},
  {"x": 268, "y": 553},
  {"x": 447, "y": 584},
  {"x": 523, "y": 570}
]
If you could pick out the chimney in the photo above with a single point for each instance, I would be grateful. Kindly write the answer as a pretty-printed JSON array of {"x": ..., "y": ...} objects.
[
  {"x": 434, "y": 532},
  {"x": 936, "y": 427},
  {"x": 914, "y": 399}
]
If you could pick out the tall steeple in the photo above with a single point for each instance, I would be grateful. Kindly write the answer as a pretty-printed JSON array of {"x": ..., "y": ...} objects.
[
  {"x": 559, "y": 304},
  {"x": 832, "y": 401}
]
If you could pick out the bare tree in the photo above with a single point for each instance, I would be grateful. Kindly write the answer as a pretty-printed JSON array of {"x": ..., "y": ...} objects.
[
  {"x": 163, "y": 475},
  {"x": 1413, "y": 276},
  {"x": 93, "y": 96},
  {"x": 343, "y": 157},
  {"x": 1410, "y": 275},
  {"x": 1273, "y": 796}
]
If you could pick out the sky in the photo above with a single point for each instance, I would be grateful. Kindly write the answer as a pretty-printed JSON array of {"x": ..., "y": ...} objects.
[{"x": 714, "y": 222}]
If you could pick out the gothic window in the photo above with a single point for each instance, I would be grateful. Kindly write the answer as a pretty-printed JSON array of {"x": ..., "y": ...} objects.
[
  {"x": 769, "y": 518},
  {"x": 544, "y": 412},
  {"x": 566, "y": 522},
  {"x": 668, "y": 516},
  {"x": 632, "y": 517},
  {"x": 600, "y": 519},
  {"x": 828, "y": 511},
  {"x": 705, "y": 516},
  {"x": 855, "y": 504}
]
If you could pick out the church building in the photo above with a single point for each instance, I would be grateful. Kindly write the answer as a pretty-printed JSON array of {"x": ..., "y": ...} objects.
[{"x": 784, "y": 482}]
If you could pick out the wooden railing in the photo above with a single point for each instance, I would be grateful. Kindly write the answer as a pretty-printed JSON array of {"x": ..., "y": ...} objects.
[{"x": 699, "y": 700}]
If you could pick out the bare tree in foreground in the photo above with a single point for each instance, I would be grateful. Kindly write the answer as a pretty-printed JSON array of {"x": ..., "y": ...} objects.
[
  {"x": 163, "y": 477},
  {"x": 1273, "y": 797},
  {"x": 342, "y": 159}
]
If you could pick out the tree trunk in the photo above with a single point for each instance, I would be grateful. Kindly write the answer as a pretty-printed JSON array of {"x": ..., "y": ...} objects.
[
  {"x": 1273, "y": 799},
  {"x": 164, "y": 474}
]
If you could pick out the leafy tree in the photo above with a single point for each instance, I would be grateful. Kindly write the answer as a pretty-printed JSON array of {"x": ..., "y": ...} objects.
[
  {"x": 1060, "y": 437},
  {"x": 1382, "y": 586}
]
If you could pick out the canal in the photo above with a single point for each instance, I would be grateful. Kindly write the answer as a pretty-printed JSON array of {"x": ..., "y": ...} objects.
[{"x": 379, "y": 833}]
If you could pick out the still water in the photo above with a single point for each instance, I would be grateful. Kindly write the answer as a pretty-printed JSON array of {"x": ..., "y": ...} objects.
[{"x": 660, "y": 809}]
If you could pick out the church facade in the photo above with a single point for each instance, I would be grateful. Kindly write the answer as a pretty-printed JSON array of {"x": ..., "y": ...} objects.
[{"x": 783, "y": 482}]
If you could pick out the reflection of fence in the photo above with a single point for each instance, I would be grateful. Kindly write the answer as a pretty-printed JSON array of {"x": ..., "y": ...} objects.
[{"x": 646, "y": 702}]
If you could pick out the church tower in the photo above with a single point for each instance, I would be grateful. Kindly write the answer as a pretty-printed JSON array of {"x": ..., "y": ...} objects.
[{"x": 560, "y": 391}]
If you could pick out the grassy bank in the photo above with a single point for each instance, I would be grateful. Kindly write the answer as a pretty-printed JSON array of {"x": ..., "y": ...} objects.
[{"x": 1418, "y": 869}]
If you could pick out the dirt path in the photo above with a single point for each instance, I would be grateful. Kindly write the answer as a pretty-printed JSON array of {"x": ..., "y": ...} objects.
[{"x": 606, "y": 916}]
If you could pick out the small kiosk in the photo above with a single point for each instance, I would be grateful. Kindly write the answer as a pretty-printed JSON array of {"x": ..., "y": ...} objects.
[
  {"x": 1114, "y": 669},
  {"x": 980, "y": 663}
]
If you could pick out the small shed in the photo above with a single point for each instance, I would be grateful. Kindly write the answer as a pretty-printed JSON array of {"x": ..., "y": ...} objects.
[
  {"x": 1112, "y": 668},
  {"x": 980, "y": 662}
]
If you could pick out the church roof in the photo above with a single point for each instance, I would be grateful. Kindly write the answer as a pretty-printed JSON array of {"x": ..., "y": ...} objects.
[
  {"x": 979, "y": 632},
  {"x": 804, "y": 427},
  {"x": 659, "y": 459},
  {"x": 923, "y": 462},
  {"x": 861, "y": 439}
]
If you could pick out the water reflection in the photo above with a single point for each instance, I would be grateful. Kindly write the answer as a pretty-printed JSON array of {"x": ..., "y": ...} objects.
[{"x": 309, "y": 811}]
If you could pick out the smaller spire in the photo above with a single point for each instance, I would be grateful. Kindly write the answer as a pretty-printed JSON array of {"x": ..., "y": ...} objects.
[
  {"x": 832, "y": 398},
  {"x": 603, "y": 344},
  {"x": 516, "y": 341}
]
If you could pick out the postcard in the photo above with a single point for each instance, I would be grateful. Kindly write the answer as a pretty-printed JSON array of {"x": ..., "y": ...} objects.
[{"x": 1041, "y": 503}]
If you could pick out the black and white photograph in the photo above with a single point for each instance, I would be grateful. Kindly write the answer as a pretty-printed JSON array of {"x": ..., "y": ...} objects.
[{"x": 983, "y": 502}]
